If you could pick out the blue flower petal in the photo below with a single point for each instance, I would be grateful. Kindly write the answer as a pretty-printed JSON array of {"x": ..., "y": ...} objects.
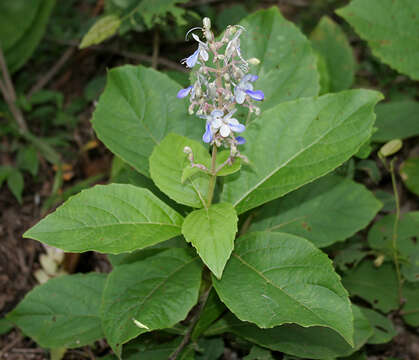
[
  {"x": 240, "y": 140},
  {"x": 207, "y": 137},
  {"x": 253, "y": 78},
  {"x": 184, "y": 92},
  {"x": 237, "y": 127},
  {"x": 191, "y": 60},
  {"x": 256, "y": 95}
]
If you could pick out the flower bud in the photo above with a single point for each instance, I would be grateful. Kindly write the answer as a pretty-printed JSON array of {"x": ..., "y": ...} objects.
[
  {"x": 254, "y": 61},
  {"x": 391, "y": 147},
  {"x": 187, "y": 150},
  {"x": 207, "y": 23}
]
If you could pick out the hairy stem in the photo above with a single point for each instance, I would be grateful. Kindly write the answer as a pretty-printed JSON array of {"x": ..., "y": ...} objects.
[
  {"x": 395, "y": 230},
  {"x": 191, "y": 327},
  {"x": 213, "y": 178}
]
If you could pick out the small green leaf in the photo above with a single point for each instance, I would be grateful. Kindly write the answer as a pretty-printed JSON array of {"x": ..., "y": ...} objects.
[
  {"x": 380, "y": 237},
  {"x": 312, "y": 343},
  {"x": 384, "y": 329},
  {"x": 188, "y": 172},
  {"x": 396, "y": 120},
  {"x": 211, "y": 231},
  {"x": 301, "y": 141},
  {"x": 286, "y": 279},
  {"x": 102, "y": 29},
  {"x": 27, "y": 159},
  {"x": 166, "y": 167},
  {"x": 378, "y": 286},
  {"x": 331, "y": 42},
  {"x": 15, "y": 184},
  {"x": 229, "y": 168},
  {"x": 409, "y": 172},
  {"x": 108, "y": 218},
  {"x": 157, "y": 292},
  {"x": 137, "y": 110},
  {"x": 322, "y": 212},
  {"x": 63, "y": 312},
  {"x": 390, "y": 27}
]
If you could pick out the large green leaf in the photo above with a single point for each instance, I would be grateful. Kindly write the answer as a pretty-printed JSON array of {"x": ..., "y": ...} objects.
[
  {"x": 15, "y": 18},
  {"x": 409, "y": 172},
  {"x": 17, "y": 54},
  {"x": 166, "y": 167},
  {"x": 396, "y": 120},
  {"x": 63, "y": 312},
  {"x": 287, "y": 69},
  {"x": 137, "y": 110},
  {"x": 313, "y": 342},
  {"x": 286, "y": 279},
  {"x": 331, "y": 42},
  {"x": 299, "y": 141},
  {"x": 156, "y": 292},
  {"x": 391, "y": 29},
  {"x": 380, "y": 237},
  {"x": 378, "y": 286},
  {"x": 212, "y": 231},
  {"x": 108, "y": 218},
  {"x": 328, "y": 210}
]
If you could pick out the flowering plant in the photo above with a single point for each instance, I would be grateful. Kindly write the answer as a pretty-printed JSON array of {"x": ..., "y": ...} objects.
[{"x": 199, "y": 238}]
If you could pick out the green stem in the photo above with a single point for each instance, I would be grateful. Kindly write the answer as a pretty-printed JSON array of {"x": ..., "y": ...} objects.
[
  {"x": 213, "y": 178},
  {"x": 395, "y": 230}
]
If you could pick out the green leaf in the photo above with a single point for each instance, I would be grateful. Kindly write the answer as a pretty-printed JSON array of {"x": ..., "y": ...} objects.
[
  {"x": 5, "y": 326},
  {"x": 331, "y": 42},
  {"x": 371, "y": 168},
  {"x": 384, "y": 329},
  {"x": 296, "y": 142},
  {"x": 137, "y": 110},
  {"x": 324, "y": 76},
  {"x": 409, "y": 172},
  {"x": 380, "y": 237},
  {"x": 390, "y": 27},
  {"x": 396, "y": 120},
  {"x": 229, "y": 168},
  {"x": 313, "y": 342},
  {"x": 63, "y": 312},
  {"x": 166, "y": 167},
  {"x": 378, "y": 286},
  {"x": 15, "y": 184},
  {"x": 258, "y": 353},
  {"x": 328, "y": 210},
  {"x": 286, "y": 279},
  {"x": 212, "y": 231},
  {"x": 16, "y": 18},
  {"x": 156, "y": 292},
  {"x": 350, "y": 254},
  {"x": 410, "y": 309},
  {"x": 20, "y": 52},
  {"x": 287, "y": 69},
  {"x": 27, "y": 159},
  {"x": 102, "y": 29},
  {"x": 144, "y": 350},
  {"x": 110, "y": 219},
  {"x": 122, "y": 173}
]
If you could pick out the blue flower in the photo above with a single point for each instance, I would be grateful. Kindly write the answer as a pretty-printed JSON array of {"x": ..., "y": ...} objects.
[
  {"x": 184, "y": 92},
  {"x": 191, "y": 60},
  {"x": 225, "y": 125},
  {"x": 240, "y": 140},
  {"x": 246, "y": 88}
]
